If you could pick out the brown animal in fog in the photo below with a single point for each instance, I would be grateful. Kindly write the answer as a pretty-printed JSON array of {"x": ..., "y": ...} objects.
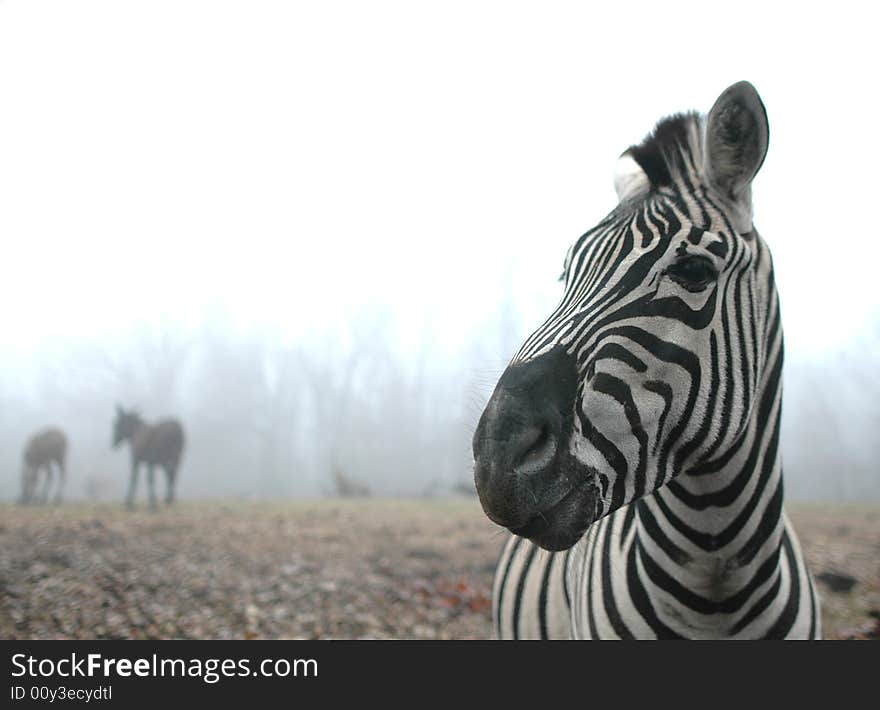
[
  {"x": 159, "y": 444},
  {"x": 43, "y": 450}
]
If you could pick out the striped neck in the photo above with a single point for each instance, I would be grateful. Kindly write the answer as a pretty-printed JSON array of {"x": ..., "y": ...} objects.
[{"x": 721, "y": 527}]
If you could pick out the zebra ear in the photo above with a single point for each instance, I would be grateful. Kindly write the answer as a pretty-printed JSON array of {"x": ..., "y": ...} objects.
[
  {"x": 736, "y": 142},
  {"x": 630, "y": 180}
]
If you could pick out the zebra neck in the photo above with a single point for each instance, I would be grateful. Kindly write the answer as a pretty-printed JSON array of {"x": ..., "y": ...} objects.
[{"x": 721, "y": 529}]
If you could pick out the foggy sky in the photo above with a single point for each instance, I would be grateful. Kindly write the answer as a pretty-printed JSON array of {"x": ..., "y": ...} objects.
[{"x": 378, "y": 197}]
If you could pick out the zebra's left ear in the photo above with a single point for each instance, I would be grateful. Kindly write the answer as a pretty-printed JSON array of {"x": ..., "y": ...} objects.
[{"x": 736, "y": 143}]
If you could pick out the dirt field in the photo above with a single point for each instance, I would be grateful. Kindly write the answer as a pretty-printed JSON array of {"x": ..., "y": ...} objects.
[{"x": 318, "y": 569}]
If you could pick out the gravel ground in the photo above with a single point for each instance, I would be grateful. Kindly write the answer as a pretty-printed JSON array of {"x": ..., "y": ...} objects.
[{"x": 319, "y": 569}]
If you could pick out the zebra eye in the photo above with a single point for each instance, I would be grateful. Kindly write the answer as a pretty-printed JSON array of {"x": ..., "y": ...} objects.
[{"x": 694, "y": 273}]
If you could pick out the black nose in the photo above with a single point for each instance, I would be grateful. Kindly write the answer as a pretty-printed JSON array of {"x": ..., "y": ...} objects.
[
  {"x": 516, "y": 437},
  {"x": 532, "y": 447},
  {"x": 521, "y": 432}
]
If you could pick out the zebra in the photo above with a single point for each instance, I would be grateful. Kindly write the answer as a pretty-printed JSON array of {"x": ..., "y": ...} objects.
[{"x": 631, "y": 447}]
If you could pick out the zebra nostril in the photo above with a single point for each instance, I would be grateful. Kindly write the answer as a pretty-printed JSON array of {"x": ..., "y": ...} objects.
[{"x": 535, "y": 449}]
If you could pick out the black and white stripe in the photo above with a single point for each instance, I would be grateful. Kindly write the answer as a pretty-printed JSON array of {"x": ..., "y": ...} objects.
[{"x": 671, "y": 318}]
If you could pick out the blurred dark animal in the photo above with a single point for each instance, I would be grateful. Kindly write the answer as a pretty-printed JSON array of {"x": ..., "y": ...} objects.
[
  {"x": 159, "y": 444},
  {"x": 347, "y": 487},
  {"x": 43, "y": 449},
  {"x": 836, "y": 582}
]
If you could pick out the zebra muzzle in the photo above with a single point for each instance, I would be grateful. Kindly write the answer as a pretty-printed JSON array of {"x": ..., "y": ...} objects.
[{"x": 522, "y": 470}]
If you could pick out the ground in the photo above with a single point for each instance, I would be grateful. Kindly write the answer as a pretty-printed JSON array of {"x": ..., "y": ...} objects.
[{"x": 319, "y": 569}]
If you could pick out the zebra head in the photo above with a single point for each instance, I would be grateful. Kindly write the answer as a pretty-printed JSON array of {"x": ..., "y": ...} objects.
[{"x": 649, "y": 365}]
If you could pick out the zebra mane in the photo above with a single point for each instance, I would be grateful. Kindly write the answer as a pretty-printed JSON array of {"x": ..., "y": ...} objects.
[{"x": 665, "y": 151}]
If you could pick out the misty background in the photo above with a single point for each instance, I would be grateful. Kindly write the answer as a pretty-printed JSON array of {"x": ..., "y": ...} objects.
[{"x": 317, "y": 233}]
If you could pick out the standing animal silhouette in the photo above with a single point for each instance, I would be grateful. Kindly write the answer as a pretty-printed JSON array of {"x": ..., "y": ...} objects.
[
  {"x": 43, "y": 449},
  {"x": 159, "y": 444}
]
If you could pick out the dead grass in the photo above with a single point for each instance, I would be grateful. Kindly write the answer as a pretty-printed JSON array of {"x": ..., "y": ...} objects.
[{"x": 358, "y": 568}]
